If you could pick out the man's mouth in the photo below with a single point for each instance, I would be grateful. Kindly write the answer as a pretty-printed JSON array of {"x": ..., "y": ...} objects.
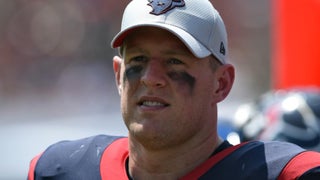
[{"x": 153, "y": 104}]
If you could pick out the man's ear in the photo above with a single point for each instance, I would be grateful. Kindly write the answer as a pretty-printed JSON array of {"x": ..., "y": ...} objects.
[
  {"x": 225, "y": 78},
  {"x": 117, "y": 71}
]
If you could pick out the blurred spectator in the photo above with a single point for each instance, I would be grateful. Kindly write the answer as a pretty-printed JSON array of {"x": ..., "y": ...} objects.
[{"x": 291, "y": 115}]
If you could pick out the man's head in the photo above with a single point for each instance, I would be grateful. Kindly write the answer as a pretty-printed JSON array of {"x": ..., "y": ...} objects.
[
  {"x": 167, "y": 85},
  {"x": 195, "y": 22}
]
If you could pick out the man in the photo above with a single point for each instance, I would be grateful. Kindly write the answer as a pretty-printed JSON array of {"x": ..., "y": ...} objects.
[{"x": 171, "y": 74}]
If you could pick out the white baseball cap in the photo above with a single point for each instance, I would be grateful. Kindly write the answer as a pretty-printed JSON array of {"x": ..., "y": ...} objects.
[{"x": 195, "y": 22}]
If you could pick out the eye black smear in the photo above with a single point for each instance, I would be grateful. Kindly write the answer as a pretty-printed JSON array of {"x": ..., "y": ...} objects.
[
  {"x": 183, "y": 78},
  {"x": 133, "y": 72}
]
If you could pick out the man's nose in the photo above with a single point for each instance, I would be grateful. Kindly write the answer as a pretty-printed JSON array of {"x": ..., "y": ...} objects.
[{"x": 154, "y": 75}]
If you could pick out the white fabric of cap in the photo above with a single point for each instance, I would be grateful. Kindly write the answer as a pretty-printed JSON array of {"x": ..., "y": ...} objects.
[{"x": 197, "y": 24}]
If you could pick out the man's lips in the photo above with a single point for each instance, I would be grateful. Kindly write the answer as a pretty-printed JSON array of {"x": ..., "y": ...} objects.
[{"x": 152, "y": 102}]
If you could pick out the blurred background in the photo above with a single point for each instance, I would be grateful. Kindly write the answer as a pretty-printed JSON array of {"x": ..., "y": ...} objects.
[{"x": 56, "y": 77}]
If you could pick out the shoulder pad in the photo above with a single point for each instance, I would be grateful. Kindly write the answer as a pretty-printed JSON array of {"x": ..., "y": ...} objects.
[{"x": 81, "y": 156}]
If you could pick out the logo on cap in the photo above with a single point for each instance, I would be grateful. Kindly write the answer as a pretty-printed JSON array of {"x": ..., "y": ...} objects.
[
  {"x": 222, "y": 49},
  {"x": 163, "y": 6}
]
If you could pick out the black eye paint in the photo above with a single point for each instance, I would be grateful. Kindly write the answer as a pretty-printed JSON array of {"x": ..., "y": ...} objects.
[
  {"x": 132, "y": 73},
  {"x": 183, "y": 78}
]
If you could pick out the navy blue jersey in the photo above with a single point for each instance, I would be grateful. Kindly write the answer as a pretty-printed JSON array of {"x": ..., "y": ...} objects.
[{"x": 104, "y": 157}]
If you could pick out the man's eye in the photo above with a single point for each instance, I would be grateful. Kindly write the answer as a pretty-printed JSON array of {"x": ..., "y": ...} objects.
[
  {"x": 174, "y": 61},
  {"x": 139, "y": 59}
]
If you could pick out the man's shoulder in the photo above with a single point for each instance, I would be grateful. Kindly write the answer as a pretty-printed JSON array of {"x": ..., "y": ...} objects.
[
  {"x": 273, "y": 154},
  {"x": 274, "y": 148},
  {"x": 270, "y": 150},
  {"x": 78, "y": 147},
  {"x": 254, "y": 159},
  {"x": 66, "y": 156},
  {"x": 98, "y": 140}
]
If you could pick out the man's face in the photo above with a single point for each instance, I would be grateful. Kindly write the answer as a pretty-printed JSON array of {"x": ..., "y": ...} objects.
[{"x": 167, "y": 94}]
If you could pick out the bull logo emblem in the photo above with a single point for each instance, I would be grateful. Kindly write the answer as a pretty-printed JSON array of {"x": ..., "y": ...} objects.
[{"x": 163, "y": 6}]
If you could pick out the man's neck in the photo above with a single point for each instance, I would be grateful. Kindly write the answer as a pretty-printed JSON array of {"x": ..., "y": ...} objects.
[{"x": 169, "y": 163}]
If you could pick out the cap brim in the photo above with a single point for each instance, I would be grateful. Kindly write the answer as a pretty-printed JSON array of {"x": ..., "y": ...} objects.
[{"x": 193, "y": 44}]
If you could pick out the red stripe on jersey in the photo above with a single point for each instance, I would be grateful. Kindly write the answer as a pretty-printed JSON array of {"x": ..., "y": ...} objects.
[
  {"x": 204, "y": 167},
  {"x": 112, "y": 165},
  {"x": 299, "y": 165}
]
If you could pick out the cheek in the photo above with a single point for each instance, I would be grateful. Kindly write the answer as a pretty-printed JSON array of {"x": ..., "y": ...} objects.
[{"x": 183, "y": 80}]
